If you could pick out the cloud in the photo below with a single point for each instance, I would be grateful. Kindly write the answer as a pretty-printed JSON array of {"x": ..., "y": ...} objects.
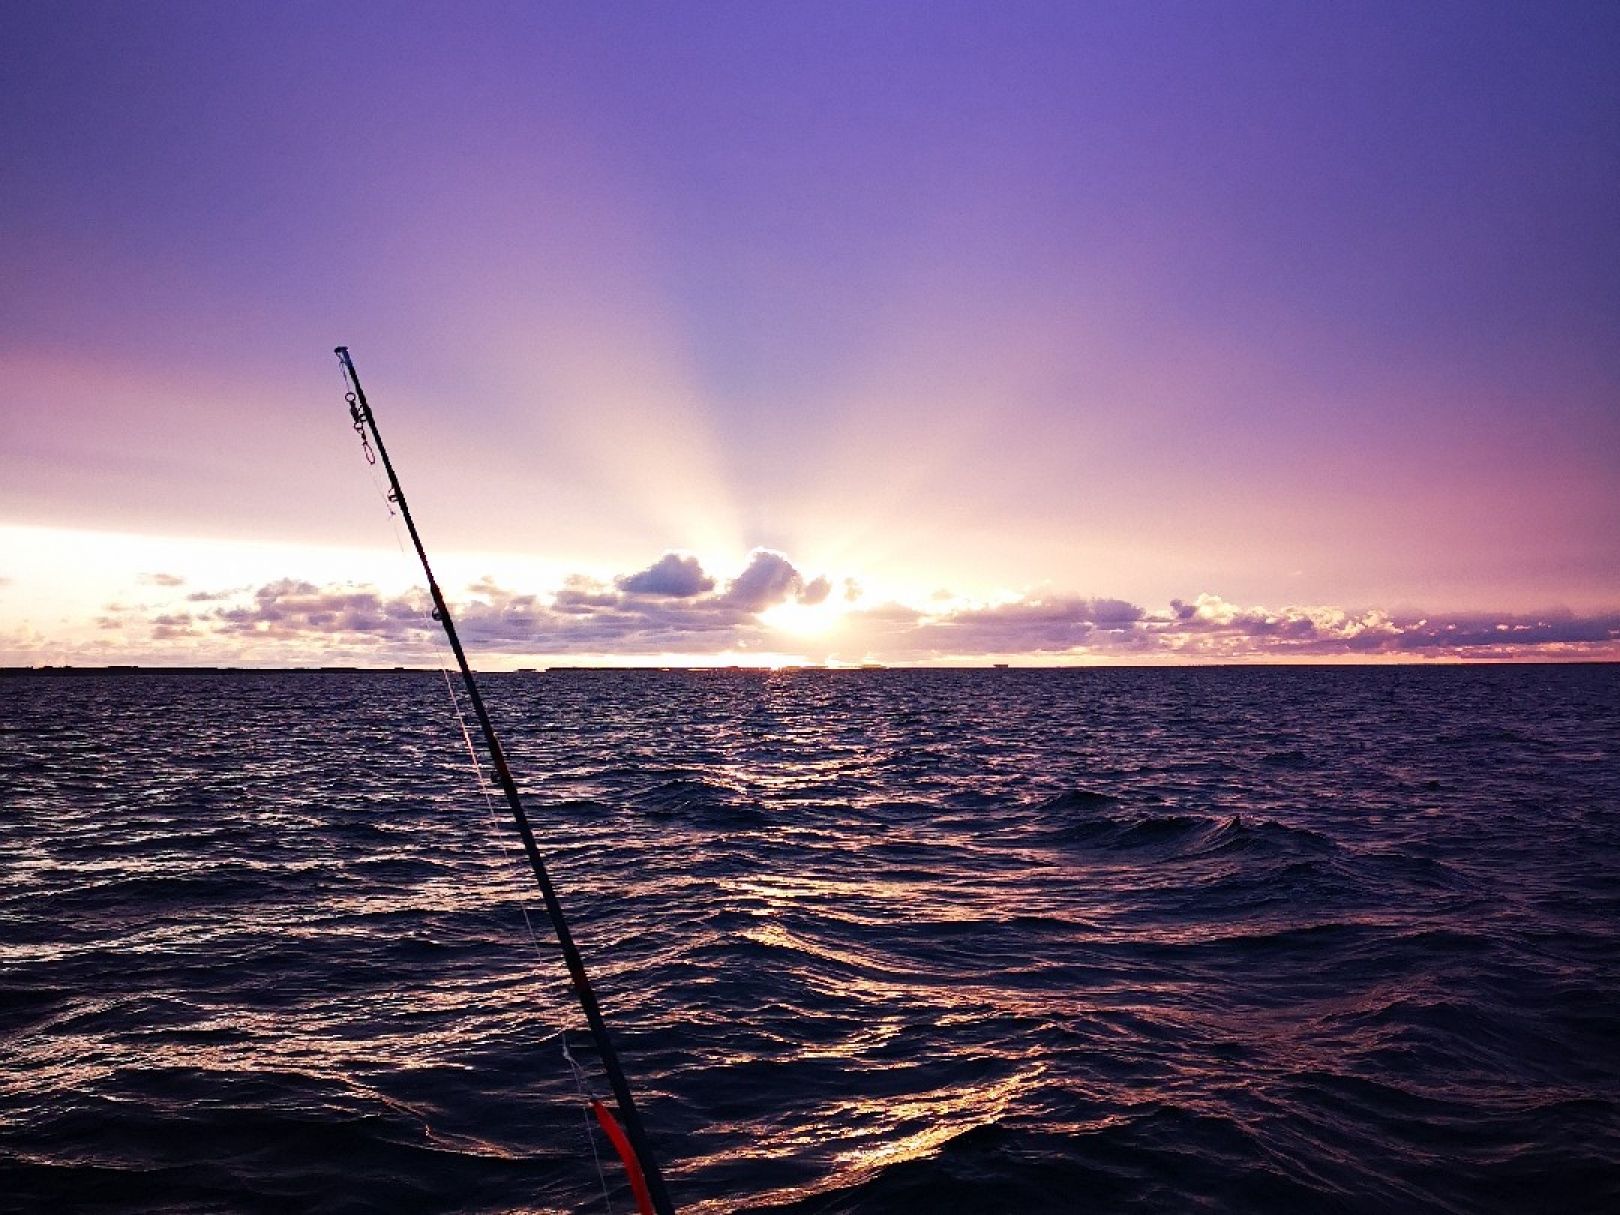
[
  {"x": 289, "y": 609},
  {"x": 1211, "y": 629},
  {"x": 171, "y": 626},
  {"x": 161, "y": 580},
  {"x": 672, "y": 575},
  {"x": 674, "y": 607},
  {"x": 769, "y": 579},
  {"x": 1481, "y": 631},
  {"x": 1037, "y": 625},
  {"x": 1212, "y": 625},
  {"x": 670, "y": 606}
]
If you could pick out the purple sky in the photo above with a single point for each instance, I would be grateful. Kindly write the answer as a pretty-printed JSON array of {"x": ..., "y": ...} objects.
[{"x": 967, "y": 308}]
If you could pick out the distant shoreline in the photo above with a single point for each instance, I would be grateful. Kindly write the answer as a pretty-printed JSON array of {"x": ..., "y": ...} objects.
[{"x": 69, "y": 671}]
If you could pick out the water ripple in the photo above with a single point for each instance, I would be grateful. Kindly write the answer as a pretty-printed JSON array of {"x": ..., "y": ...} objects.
[{"x": 1128, "y": 941}]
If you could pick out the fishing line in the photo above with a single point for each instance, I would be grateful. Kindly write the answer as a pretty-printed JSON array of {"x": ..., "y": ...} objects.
[
  {"x": 585, "y": 1100},
  {"x": 643, "y": 1173},
  {"x": 534, "y": 937},
  {"x": 489, "y": 803},
  {"x": 630, "y": 1139},
  {"x": 509, "y": 879},
  {"x": 439, "y": 645}
]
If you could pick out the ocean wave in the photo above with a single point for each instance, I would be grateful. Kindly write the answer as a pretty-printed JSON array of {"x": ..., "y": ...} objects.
[{"x": 1125, "y": 941}]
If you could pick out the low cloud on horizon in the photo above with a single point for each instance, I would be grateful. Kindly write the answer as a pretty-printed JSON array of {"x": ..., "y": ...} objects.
[{"x": 674, "y": 607}]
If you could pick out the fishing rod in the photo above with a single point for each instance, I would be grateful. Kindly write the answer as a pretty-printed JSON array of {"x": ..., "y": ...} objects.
[{"x": 649, "y": 1186}]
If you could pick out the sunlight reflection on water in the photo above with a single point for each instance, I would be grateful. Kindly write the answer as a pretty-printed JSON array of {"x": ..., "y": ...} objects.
[{"x": 877, "y": 941}]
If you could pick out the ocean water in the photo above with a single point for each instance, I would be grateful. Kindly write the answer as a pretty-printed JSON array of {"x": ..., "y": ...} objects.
[{"x": 1230, "y": 940}]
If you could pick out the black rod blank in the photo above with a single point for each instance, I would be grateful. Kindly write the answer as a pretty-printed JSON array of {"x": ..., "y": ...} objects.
[{"x": 361, "y": 413}]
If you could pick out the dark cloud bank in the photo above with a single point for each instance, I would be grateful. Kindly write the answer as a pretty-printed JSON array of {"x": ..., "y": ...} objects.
[{"x": 675, "y": 607}]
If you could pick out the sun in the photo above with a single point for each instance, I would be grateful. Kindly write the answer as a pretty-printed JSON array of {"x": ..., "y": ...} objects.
[{"x": 804, "y": 619}]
